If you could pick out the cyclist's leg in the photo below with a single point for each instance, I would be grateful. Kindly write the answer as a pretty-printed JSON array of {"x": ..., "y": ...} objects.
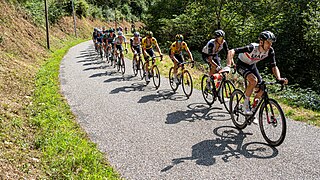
[
  {"x": 215, "y": 61},
  {"x": 247, "y": 71},
  {"x": 177, "y": 64}
]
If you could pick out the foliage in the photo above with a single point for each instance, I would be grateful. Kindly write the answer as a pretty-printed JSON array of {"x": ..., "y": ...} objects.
[{"x": 81, "y": 7}]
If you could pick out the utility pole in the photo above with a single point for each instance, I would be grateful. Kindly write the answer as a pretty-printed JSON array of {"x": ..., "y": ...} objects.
[
  {"x": 115, "y": 18},
  {"x": 47, "y": 22},
  {"x": 74, "y": 20}
]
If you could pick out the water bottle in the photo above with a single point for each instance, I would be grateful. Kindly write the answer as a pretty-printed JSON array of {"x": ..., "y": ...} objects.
[
  {"x": 255, "y": 103},
  {"x": 217, "y": 78}
]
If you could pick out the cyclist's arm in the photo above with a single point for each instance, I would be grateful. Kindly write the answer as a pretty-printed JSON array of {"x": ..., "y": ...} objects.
[
  {"x": 131, "y": 46},
  {"x": 189, "y": 52},
  {"x": 225, "y": 46},
  {"x": 232, "y": 52}
]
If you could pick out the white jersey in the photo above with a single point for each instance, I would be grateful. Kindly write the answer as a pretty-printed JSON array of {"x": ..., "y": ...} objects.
[
  {"x": 254, "y": 56},
  {"x": 119, "y": 41},
  {"x": 210, "y": 47}
]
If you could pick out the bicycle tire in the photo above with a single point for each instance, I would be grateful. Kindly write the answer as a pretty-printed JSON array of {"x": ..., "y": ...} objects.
[
  {"x": 272, "y": 107},
  {"x": 135, "y": 67},
  {"x": 227, "y": 87},
  {"x": 187, "y": 84},
  {"x": 236, "y": 109},
  {"x": 122, "y": 66},
  {"x": 207, "y": 93},
  {"x": 156, "y": 76},
  {"x": 118, "y": 64},
  {"x": 174, "y": 86}
]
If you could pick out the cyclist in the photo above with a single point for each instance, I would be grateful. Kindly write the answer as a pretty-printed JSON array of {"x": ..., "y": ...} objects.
[
  {"x": 105, "y": 38},
  {"x": 210, "y": 52},
  {"x": 94, "y": 37},
  {"x": 246, "y": 65},
  {"x": 118, "y": 44},
  {"x": 110, "y": 39},
  {"x": 176, "y": 54},
  {"x": 99, "y": 40},
  {"x": 135, "y": 44},
  {"x": 147, "y": 49}
]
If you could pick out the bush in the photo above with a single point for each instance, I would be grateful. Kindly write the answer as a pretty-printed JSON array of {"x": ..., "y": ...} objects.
[{"x": 82, "y": 8}]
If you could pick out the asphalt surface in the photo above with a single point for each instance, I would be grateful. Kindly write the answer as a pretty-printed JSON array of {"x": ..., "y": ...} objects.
[{"x": 155, "y": 134}]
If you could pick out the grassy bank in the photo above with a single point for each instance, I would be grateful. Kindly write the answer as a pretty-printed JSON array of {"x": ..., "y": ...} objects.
[{"x": 66, "y": 150}]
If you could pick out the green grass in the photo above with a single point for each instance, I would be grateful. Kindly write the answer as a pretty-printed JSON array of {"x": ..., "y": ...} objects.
[{"x": 67, "y": 151}]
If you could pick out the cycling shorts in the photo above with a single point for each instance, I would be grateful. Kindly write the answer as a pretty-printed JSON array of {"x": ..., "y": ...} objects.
[
  {"x": 215, "y": 59},
  {"x": 137, "y": 48},
  {"x": 245, "y": 69}
]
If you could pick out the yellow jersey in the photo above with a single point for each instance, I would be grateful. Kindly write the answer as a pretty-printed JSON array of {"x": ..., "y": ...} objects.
[
  {"x": 148, "y": 44},
  {"x": 177, "y": 50}
]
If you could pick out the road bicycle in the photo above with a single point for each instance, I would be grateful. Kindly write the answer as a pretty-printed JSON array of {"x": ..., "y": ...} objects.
[
  {"x": 108, "y": 53},
  {"x": 153, "y": 72},
  {"x": 120, "y": 62},
  {"x": 100, "y": 49},
  {"x": 137, "y": 65},
  {"x": 219, "y": 88},
  {"x": 272, "y": 121},
  {"x": 183, "y": 77}
]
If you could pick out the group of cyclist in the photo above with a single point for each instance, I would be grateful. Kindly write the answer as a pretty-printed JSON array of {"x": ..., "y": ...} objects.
[{"x": 248, "y": 56}]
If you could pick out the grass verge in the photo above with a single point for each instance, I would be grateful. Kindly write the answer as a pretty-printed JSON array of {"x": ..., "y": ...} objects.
[{"x": 67, "y": 151}]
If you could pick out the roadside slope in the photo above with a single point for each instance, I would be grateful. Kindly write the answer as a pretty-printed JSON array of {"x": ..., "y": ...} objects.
[{"x": 22, "y": 53}]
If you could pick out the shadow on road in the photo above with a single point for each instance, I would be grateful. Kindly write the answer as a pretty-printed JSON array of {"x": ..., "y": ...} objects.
[
  {"x": 197, "y": 111},
  {"x": 95, "y": 68},
  {"x": 162, "y": 95},
  {"x": 228, "y": 144},
  {"x": 133, "y": 87},
  {"x": 107, "y": 73}
]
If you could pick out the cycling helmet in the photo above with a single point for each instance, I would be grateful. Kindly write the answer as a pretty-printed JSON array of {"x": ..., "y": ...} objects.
[
  {"x": 120, "y": 33},
  {"x": 136, "y": 34},
  {"x": 267, "y": 35},
  {"x": 149, "y": 33},
  {"x": 219, "y": 33},
  {"x": 111, "y": 30},
  {"x": 95, "y": 29},
  {"x": 179, "y": 37}
]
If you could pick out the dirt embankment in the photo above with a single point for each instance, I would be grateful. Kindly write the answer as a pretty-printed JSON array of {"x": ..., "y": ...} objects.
[{"x": 22, "y": 52}]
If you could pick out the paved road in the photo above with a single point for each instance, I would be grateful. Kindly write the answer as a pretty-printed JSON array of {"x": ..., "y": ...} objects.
[{"x": 155, "y": 134}]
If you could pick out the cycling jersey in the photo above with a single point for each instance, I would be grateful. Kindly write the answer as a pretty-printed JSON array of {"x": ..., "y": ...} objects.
[
  {"x": 134, "y": 42},
  {"x": 99, "y": 39},
  {"x": 147, "y": 44},
  {"x": 111, "y": 38},
  {"x": 177, "y": 50},
  {"x": 95, "y": 35},
  {"x": 211, "y": 48},
  {"x": 119, "y": 41},
  {"x": 251, "y": 55}
]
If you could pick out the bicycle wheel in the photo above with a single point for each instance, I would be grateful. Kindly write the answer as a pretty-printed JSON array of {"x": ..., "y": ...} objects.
[
  {"x": 272, "y": 122},
  {"x": 206, "y": 89},
  {"x": 187, "y": 84},
  {"x": 156, "y": 76},
  {"x": 236, "y": 109},
  {"x": 101, "y": 53},
  {"x": 118, "y": 64},
  {"x": 134, "y": 67},
  {"x": 227, "y": 87},
  {"x": 123, "y": 66},
  {"x": 174, "y": 86},
  {"x": 141, "y": 69}
]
